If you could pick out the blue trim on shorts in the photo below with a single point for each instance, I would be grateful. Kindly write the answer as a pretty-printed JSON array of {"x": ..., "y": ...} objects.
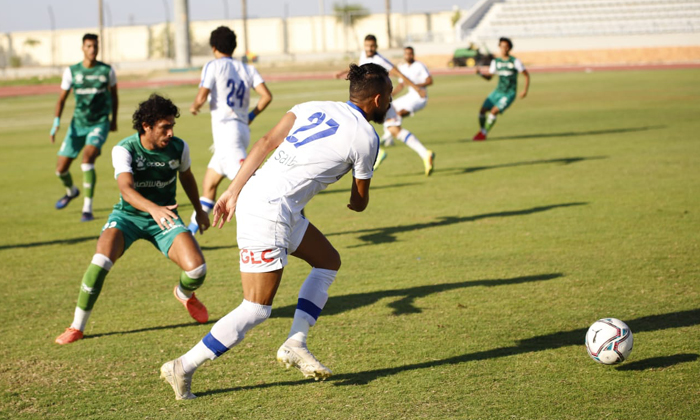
[
  {"x": 308, "y": 307},
  {"x": 214, "y": 345}
]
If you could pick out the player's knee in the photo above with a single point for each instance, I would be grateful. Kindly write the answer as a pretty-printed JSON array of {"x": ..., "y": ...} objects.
[
  {"x": 193, "y": 279},
  {"x": 333, "y": 262}
]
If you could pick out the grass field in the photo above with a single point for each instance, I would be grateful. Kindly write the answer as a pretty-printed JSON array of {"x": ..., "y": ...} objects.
[{"x": 465, "y": 295}]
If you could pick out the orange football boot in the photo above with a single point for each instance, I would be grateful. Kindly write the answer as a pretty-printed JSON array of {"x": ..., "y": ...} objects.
[
  {"x": 197, "y": 310},
  {"x": 69, "y": 335}
]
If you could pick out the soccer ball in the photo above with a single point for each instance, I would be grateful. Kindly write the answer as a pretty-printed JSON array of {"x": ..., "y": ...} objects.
[{"x": 609, "y": 341}]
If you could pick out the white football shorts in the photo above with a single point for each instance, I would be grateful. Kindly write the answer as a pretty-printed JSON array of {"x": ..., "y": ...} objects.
[
  {"x": 231, "y": 139},
  {"x": 267, "y": 232},
  {"x": 411, "y": 103}
]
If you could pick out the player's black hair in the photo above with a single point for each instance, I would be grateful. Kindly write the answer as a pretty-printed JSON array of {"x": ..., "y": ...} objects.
[
  {"x": 371, "y": 37},
  {"x": 91, "y": 37},
  {"x": 366, "y": 80},
  {"x": 152, "y": 110},
  {"x": 223, "y": 39},
  {"x": 408, "y": 47},
  {"x": 506, "y": 40}
]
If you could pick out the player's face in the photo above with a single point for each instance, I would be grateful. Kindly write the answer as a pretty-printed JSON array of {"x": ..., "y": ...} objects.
[
  {"x": 370, "y": 48},
  {"x": 409, "y": 56},
  {"x": 383, "y": 103},
  {"x": 505, "y": 48},
  {"x": 161, "y": 133},
  {"x": 90, "y": 49}
]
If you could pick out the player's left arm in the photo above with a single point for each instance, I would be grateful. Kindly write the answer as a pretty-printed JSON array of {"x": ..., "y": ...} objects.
[
  {"x": 189, "y": 184},
  {"x": 263, "y": 102},
  {"x": 359, "y": 195},
  {"x": 115, "y": 99},
  {"x": 226, "y": 205},
  {"x": 395, "y": 72},
  {"x": 199, "y": 100},
  {"x": 526, "y": 74},
  {"x": 428, "y": 82},
  {"x": 398, "y": 88}
]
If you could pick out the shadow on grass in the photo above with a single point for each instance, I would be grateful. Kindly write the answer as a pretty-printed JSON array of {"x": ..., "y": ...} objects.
[
  {"x": 373, "y": 188},
  {"x": 577, "y": 133},
  {"x": 217, "y": 247},
  {"x": 659, "y": 362},
  {"x": 562, "y": 161},
  {"x": 534, "y": 344},
  {"x": 160, "y": 327},
  {"x": 375, "y": 236},
  {"x": 404, "y": 305},
  {"x": 47, "y": 243}
]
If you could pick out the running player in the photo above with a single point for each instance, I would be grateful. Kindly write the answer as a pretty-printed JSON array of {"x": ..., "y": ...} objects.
[
  {"x": 95, "y": 86},
  {"x": 146, "y": 166},
  {"x": 507, "y": 68},
  {"x": 316, "y": 144},
  {"x": 407, "y": 105},
  {"x": 227, "y": 82},
  {"x": 370, "y": 55}
]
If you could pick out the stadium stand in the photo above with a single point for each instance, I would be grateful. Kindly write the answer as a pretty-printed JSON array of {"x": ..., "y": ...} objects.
[{"x": 568, "y": 18}]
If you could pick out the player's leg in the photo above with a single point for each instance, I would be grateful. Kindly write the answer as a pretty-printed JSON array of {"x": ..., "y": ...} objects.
[
  {"x": 110, "y": 246},
  {"x": 185, "y": 252},
  {"x": 410, "y": 140},
  {"x": 485, "y": 108},
  {"x": 211, "y": 182},
  {"x": 70, "y": 148},
  {"x": 90, "y": 155},
  {"x": 259, "y": 290},
  {"x": 491, "y": 118}
]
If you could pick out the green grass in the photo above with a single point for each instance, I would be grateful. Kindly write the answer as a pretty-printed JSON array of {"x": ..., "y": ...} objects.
[{"x": 465, "y": 295}]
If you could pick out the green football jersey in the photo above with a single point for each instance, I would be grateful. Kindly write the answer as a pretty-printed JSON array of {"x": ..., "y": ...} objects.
[
  {"x": 507, "y": 71},
  {"x": 91, "y": 87},
  {"x": 155, "y": 171}
]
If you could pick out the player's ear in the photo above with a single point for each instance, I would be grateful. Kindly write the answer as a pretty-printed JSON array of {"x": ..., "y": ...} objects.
[{"x": 376, "y": 98}]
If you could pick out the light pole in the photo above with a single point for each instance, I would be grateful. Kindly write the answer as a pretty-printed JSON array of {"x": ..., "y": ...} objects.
[
  {"x": 166, "y": 43},
  {"x": 244, "y": 7},
  {"x": 388, "y": 20},
  {"x": 53, "y": 37},
  {"x": 182, "y": 34},
  {"x": 101, "y": 20}
]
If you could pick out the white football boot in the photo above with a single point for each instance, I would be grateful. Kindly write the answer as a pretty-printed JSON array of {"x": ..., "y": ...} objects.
[
  {"x": 302, "y": 359},
  {"x": 172, "y": 372}
]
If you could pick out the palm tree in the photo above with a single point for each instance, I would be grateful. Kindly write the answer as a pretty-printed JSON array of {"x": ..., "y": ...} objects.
[{"x": 349, "y": 15}]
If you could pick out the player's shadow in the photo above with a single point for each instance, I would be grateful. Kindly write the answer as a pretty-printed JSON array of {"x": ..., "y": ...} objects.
[
  {"x": 577, "y": 133},
  {"x": 379, "y": 187},
  {"x": 160, "y": 327},
  {"x": 375, "y": 236},
  {"x": 70, "y": 241},
  {"x": 659, "y": 362},
  {"x": 217, "y": 247},
  {"x": 561, "y": 161},
  {"x": 539, "y": 343},
  {"x": 405, "y": 304}
]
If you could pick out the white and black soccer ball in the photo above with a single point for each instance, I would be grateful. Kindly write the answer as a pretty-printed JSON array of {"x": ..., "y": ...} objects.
[{"x": 609, "y": 341}]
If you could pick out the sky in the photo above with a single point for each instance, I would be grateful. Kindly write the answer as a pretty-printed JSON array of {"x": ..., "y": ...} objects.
[{"x": 27, "y": 15}]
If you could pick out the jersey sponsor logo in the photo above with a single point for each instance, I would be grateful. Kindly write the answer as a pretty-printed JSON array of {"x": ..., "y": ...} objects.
[
  {"x": 154, "y": 184},
  {"x": 284, "y": 158},
  {"x": 101, "y": 77},
  {"x": 89, "y": 91},
  {"x": 249, "y": 257}
]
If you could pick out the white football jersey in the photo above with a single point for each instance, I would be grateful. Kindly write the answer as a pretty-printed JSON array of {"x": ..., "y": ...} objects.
[
  {"x": 229, "y": 81},
  {"x": 328, "y": 140},
  {"x": 417, "y": 73},
  {"x": 376, "y": 59}
]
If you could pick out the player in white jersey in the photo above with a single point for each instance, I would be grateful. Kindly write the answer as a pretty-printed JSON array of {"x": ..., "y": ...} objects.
[
  {"x": 227, "y": 83},
  {"x": 314, "y": 145},
  {"x": 392, "y": 126}
]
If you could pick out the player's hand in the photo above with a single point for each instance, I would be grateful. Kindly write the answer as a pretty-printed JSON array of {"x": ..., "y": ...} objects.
[
  {"x": 194, "y": 110},
  {"x": 523, "y": 94},
  {"x": 53, "y": 136},
  {"x": 54, "y": 129},
  {"x": 224, "y": 209},
  {"x": 422, "y": 92},
  {"x": 339, "y": 74},
  {"x": 113, "y": 125},
  {"x": 202, "y": 219},
  {"x": 164, "y": 216}
]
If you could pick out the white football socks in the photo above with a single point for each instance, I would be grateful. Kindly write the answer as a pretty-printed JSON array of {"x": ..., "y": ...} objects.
[
  {"x": 313, "y": 296},
  {"x": 412, "y": 141}
]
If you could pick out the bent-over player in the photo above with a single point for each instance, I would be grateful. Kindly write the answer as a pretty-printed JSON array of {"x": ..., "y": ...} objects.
[
  {"x": 314, "y": 145},
  {"x": 146, "y": 166}
]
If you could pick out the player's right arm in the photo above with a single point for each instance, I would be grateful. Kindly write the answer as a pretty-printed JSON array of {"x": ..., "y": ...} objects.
[
  {"x": 66, "y": 85},
  {"x": 263, "y": 102},
  {"x": 395, "y": 72},
  {"x": 489, "y": 75},
  {"x": 199, "y": 100},
  {"x": 125, "y": 181},
  {"x": 359, "y": 195},
  {"x": 226, "y": 205}
]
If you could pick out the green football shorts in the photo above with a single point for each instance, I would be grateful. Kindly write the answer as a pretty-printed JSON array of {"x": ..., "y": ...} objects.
[
  {"x": 500, "y": 100},
  {"x": 136, "y": 227},
  {"x": 79, "y": 136}
]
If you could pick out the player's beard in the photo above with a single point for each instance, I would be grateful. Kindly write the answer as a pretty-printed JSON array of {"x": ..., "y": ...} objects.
[{"x": 379, "y": 116}]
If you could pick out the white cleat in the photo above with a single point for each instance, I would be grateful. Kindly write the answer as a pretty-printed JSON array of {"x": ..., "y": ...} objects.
[
  {"x": 172, "y": 372},
  {"x": 302, "y": 359}
]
